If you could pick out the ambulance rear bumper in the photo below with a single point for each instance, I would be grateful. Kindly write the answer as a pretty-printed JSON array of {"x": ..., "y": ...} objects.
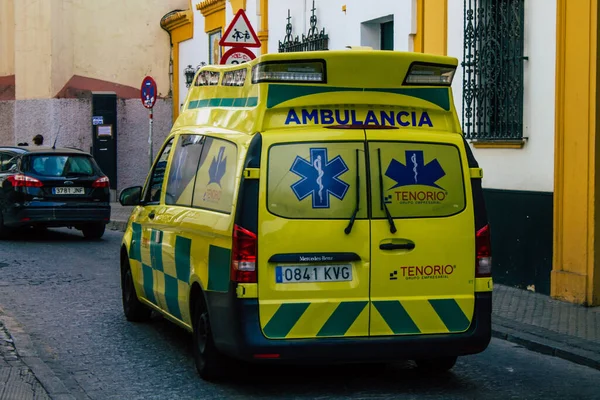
[{"x": 246, "y": 341}]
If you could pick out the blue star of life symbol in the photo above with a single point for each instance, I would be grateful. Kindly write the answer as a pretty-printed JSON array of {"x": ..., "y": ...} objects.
[
  {"x": 217, "y": 167},
  {"x": 415, "y": 171},
  {"x": 319, "y": 178}
]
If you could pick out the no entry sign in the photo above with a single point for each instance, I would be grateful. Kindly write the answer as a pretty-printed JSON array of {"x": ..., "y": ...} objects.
[
  {"x": 237, "y": 55},
  {"x": 148, "y": 92}
]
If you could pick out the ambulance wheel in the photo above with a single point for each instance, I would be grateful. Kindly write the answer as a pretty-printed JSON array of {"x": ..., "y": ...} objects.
[
  {"x": 436, "y": 365},
  {"x": 133, "y": 309},
  {"x": 209, "y": 362}
]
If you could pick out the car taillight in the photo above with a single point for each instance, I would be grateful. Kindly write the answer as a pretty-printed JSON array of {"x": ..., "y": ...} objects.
[
  {"x": 21, "y": 180},
  {"x": 243, "y": 256},
  {"x": 101, "y": 182},
  {"x": 483, "y": 248}
]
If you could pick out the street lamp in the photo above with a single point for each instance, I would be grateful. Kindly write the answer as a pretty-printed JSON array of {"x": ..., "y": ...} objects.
[
  {"x": 202, "y": 64},
  {"x": 189, "y": 73}
]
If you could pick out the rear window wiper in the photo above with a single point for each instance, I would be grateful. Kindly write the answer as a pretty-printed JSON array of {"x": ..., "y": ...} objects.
[
  {"x": 77, "y": 174},
  {"x": 382, "y": 197},
  {"x": 353, "y": 218}
]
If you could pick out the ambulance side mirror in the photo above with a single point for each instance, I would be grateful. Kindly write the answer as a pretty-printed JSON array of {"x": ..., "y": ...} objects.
[{"x": 130, "y": 196}]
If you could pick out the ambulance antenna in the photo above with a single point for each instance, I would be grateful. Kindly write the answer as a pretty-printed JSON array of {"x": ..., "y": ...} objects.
[{"x": 56, "y": 138}]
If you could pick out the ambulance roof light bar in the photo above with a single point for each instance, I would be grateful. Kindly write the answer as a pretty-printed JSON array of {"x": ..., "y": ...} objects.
[
  {"x": 299, "y": 71},
  {"x": 427, "y": 74}
]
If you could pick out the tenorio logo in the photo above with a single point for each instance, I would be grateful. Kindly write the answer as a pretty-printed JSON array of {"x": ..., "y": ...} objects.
[
  {"x": 420, "y": 196},
  {"x": 427, "y": 271}
]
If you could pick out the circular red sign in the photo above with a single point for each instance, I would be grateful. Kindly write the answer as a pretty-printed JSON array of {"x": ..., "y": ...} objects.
[
  {"x": 237, "y": 55},
  {"x": 148, "y": 92}
]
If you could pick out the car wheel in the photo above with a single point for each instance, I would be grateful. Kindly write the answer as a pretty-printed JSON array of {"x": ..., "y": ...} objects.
[
  {"x": 436, "y": 365},
  {"x": 93, "y": 231},
  {"x": 4, "y": 231},
  {"x": 133, "y": 309},
  {"x": 209, "y": 362}
]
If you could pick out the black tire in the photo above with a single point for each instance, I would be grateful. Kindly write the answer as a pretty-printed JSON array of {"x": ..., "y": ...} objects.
[
  {"x": 133, "y": 309},
  {"x": 210, "y": 363},
  {"x": 436, "y": 365},
  {"x": 4, "y": 231},
  {"x": 93, "y": 231}
]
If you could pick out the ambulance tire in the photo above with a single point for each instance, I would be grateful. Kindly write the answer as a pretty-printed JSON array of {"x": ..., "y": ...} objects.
[
  {"x": 436, "y": 365},
  {"x": 133, "y": 309},
  {"x": 210, "y": 363}
]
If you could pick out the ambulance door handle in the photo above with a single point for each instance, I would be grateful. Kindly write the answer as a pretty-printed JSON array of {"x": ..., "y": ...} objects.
[
  {"x": 396, "y": 246},
  {"x": 151, "y": 215}
]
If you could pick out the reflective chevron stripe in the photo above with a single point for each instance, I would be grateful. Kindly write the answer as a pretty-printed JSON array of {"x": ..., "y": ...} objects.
[
  {"x": 396, "y": 317},
  {"x": 338, "y": 323},
  {"x": 297, "y": 320},
  {"x": 401, "y": 322}
]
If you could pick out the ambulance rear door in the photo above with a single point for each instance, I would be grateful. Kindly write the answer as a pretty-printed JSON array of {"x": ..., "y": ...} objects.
[
  {"x": 313, "y": 235},
  {"x": 422, "y": 233}
]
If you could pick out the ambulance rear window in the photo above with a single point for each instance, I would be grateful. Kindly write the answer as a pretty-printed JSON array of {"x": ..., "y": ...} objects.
[
  {"x": 316, "y": 180},
  {"x": 417, "y": 179}
]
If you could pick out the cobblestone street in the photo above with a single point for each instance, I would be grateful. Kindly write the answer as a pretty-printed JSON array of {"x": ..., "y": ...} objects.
[{"x": 65, "y": 293}]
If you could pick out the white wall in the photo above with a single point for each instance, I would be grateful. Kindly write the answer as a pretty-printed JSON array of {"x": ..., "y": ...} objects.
[
  {"x": 344, "y": 29},
  {"x": 532, "y": 167}
]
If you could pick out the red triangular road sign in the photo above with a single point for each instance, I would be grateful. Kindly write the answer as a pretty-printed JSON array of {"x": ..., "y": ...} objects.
[{"x": 239, "y": 33}]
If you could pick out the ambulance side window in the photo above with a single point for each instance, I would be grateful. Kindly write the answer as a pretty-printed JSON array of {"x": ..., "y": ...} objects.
[
  {"x": 153, "y": 190},
  {"x": 182, "y": 174},
  {"x": 216, "y": 176}
]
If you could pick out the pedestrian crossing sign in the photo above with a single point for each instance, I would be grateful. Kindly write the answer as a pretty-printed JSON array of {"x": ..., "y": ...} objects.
[{"x": 239, "y": 33}]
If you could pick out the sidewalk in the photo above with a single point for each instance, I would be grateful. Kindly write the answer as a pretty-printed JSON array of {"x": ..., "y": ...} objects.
[
  {"x": 532, "y": 320},
  {"x": 23, "y": 375}
]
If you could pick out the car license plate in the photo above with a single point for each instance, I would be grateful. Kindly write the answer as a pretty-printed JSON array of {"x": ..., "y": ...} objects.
[
  {"x": 68, "y": 190},
  {"x": 313, "y": 273}
]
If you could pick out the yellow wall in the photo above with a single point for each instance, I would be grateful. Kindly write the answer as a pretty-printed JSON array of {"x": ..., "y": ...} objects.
[
  {"x": 432, "y": 27},
  {"x": 122, "y": 41},
  {"x": 576, "y": 263},
  {"x": 112, "y": 40},
  {"x": 7, "y": 37},
  {"x": 33, "y": 49},
  {"x": 62, "y": 39}
]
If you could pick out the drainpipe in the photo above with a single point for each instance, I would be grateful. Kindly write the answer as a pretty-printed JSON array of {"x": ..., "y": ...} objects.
[{"x": 167, "y": 15}]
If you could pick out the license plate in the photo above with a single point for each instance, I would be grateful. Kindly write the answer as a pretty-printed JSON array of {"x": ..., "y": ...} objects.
[
  {"x": 313, "y": 273},
  {"x": 68, "y": 190}
]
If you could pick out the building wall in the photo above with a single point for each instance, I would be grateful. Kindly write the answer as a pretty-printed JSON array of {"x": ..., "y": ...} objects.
[
  {"x": 122, "y": 41},
  {"x": 532, "y": 167},
  {"x": 110, "y": 40},
  {"x": 519, "y": 182},
  {"x": 359, "y": 25}
]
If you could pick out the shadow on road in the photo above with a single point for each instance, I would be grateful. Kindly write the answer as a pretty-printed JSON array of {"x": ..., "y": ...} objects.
[
  {"x": 311, "y": 381},
  {"x": 60, "y": 235}
]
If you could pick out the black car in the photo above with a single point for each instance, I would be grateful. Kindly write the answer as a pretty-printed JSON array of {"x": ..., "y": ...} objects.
[{"x": 52, "y": 187}]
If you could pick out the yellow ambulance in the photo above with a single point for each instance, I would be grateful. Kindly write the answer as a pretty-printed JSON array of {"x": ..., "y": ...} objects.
[{"x": 315, "y": 207}]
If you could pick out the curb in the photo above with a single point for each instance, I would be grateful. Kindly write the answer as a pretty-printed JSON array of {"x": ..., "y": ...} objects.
[
  {"x": 547, "y": 345},
  {"x": 117, "y": 225},
  {"x": 27, "y": 353}
]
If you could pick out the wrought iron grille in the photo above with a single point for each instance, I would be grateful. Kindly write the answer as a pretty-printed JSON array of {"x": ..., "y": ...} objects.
[
  {"x": 314, "y": 40},
  {"x": 493, "y": 70}
]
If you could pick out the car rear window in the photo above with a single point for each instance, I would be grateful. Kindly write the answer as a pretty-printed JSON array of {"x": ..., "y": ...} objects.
[{"x": 57, "y": 165}]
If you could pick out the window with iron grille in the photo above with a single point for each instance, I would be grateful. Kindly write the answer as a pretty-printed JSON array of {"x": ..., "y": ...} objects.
[
  {"x": 493, "y": 70},
  {"x": 314, "y": 40}
]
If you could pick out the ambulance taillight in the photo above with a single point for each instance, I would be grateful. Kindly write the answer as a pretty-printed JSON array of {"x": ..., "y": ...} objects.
[
  {"x": 243, "y": 256},
  {"x": 483, "y": 247}
]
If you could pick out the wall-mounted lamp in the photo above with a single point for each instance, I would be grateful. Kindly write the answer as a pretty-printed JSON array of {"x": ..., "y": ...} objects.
[{"x": 189, "y": 73}]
